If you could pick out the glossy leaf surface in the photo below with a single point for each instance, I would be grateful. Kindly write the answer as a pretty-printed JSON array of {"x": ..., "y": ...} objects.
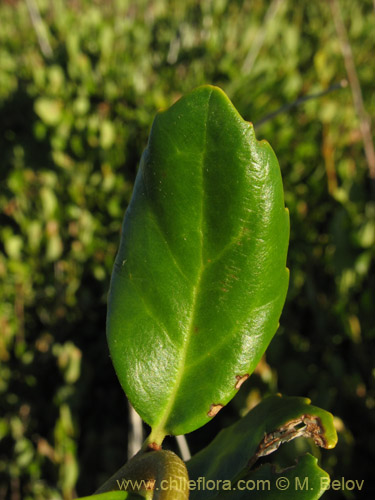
[
  {"x": 200, "y": 279},
  {"x": 274, "y": 421}
]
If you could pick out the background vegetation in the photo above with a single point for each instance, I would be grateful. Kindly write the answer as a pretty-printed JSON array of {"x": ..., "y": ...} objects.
[{"x": 76, "y": 106}]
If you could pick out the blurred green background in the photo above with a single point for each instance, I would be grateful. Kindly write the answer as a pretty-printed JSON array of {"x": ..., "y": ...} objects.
[{"x": 76, "y": 105}]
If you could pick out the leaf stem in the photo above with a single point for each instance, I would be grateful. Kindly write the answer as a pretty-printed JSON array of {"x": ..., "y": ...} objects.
[{"x": 154, "y": 440}]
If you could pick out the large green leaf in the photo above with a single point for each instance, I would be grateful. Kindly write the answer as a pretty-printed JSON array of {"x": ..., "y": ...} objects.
[
  {"x": 276, "y": 420},
  {"x": 200, "y": 279}
]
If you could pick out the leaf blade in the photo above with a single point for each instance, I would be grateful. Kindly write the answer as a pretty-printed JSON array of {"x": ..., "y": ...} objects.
[
  {"x": 303, "y": 481},
  {"x": 274, "y": 421},
  {"x": 201, "y": 267},
  {"x": 110, "y": 495}
]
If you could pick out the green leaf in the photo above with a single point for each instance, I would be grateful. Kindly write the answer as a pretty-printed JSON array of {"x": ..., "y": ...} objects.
[
  {"x": 110, "y": 495},
  {"x": 161, "y": 472},
  {"x": 274, "y": 421},
  {"x": 107, "y": 134},
  {"x": 49, "y": 110},
  {"x": 304, "y": 481},
  {"x": 199, "y": 280}
]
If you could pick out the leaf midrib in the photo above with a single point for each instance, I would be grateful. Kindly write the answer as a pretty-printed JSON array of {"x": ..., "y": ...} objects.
[{"x": 159, "y": 427}]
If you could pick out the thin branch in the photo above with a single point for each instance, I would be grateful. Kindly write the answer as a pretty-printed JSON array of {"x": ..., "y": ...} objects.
[
  {"x": 40, "y": 28},
  {"x": 183, "y": 447},
  {"x": 135, "y": 434},
  {"x": 260, "y": 37},
  {"x": 364, "y": 119},
  {"x": 300, "y": 100}
]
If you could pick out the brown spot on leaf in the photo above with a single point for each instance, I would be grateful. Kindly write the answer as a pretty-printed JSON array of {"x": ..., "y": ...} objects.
[
  {"x": 314, "y": 429},
  {"x": 241, "y": 380},
  {"x": 306, "y": 425},
  {"x": 214, "y": 410}
]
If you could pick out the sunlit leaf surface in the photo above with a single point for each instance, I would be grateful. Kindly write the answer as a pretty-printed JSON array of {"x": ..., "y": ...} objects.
[{"x": 200, "y": 279}]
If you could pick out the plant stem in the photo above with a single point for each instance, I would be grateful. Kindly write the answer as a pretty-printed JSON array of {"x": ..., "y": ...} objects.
[
  {"x": 364, "y": 119},
  {"x": 135, "y": 434},
  {"x": 40, "y": 28},
  {"x": 300, "y": 100},
  {"x": 260, "y": 37},
  {"x": 183, "y": 447}
]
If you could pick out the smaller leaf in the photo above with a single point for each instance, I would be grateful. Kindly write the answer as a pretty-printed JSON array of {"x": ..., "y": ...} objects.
[
  {"x": 274, "y": 421},
  {"x": 158, "y": 474},
  {"x": 49, "y": 110},
  {"x": 110, "y": 495},
  {"x": 107, "y": 134},
  {"x": 305, "y": 481}
]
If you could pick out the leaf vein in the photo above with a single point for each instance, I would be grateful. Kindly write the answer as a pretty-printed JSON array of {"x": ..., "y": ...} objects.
[
  {"x": 168, "y": 245},
  {"x": 195, "y": 294},
  {"x": 228, "y": 337},
  {"x": 148, "y": 309}
]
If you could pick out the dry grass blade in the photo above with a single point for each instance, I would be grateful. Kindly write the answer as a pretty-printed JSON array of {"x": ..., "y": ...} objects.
[{"x": 364, "y": 119}]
